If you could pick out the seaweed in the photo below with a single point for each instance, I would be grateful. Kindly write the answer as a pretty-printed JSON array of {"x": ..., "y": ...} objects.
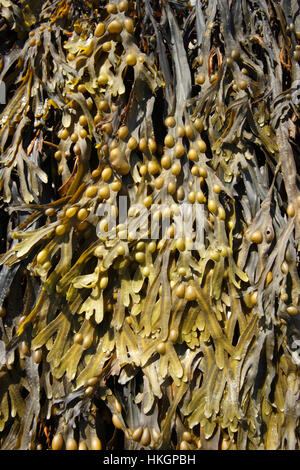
[{"x": 149, "y": 160}]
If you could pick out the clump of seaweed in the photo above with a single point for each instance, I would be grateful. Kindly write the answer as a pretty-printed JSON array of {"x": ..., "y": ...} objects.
[{"x": 176, "y": 326}]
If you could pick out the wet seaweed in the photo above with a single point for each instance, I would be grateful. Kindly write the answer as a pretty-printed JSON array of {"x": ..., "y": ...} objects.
[{"x": 150, "y": 203}]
